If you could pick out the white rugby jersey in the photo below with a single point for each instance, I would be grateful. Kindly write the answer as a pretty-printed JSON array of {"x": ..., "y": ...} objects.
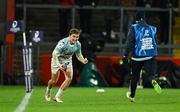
[{"x": 65, "y": 50}]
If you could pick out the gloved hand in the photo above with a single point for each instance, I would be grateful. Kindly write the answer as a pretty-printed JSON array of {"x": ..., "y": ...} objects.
[{"x": 124, "y": 60}]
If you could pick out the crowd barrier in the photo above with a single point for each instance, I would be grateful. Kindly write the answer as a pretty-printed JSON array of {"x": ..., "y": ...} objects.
[{"x": 108, "y": 67}]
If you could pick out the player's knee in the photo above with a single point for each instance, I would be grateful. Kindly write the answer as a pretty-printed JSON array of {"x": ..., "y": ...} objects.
[
  {"x": 68, "y": 79},
  {"x": 53, "y": 82}
]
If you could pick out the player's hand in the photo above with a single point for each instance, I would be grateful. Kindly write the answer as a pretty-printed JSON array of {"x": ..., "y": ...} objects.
[
  {"x": 85, "y": 61},
  {"x": 62, "y": 66}
]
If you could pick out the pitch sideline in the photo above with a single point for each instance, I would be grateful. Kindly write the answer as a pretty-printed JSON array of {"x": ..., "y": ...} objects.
[{"x": 24, "y": 102}]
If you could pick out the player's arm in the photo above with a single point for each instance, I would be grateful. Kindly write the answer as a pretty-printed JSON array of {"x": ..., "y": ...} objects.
[
  {"x": 130, "y": 42},
  {"x": 58, "y": 60},
  {"x": 57, "y": 53},
  {"x": 80, "y": 56},
  {"x": 129, "y": 46}
]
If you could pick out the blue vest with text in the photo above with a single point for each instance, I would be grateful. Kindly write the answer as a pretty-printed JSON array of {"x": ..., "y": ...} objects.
[{"x": 145, "y": 42}]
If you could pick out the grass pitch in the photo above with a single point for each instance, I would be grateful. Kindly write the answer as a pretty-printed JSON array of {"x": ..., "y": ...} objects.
[{"x": 88, "y": 100}]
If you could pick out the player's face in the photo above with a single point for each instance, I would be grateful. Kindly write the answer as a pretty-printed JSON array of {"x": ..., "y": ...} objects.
[{"x": 74, "y": 38}]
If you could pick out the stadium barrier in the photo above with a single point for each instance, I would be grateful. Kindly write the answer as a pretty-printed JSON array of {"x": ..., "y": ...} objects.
[
  {"x": 114, "y": 74},
  {"x": 117, "y": 75}
]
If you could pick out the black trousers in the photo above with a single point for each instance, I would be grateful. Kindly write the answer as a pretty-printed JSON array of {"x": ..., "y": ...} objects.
[{"x": 150, "y": 67}]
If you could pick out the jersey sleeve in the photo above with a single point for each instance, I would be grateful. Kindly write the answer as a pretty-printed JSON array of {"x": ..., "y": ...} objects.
[
  {"x": 59, "y": 47},
  {"x": 58, "y": 51},
  {"x": 78, "y": 48},
  {"x": 79, "y": 53},
  {"x": 130, "y": 41}
]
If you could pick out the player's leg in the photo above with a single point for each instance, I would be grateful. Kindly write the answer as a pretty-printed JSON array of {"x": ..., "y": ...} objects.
[
  {"x": 151, "y": 70},
  {"x": 136, "y": 68},
  {"x": 68, "y": 78},
  {"x": 51, "y": 82}
]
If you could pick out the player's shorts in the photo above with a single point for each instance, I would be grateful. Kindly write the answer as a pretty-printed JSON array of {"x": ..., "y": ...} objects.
[{"x": 55, "y": 68}]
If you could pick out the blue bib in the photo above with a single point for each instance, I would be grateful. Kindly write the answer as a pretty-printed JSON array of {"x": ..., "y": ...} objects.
[{"x": 145, "y": 42}]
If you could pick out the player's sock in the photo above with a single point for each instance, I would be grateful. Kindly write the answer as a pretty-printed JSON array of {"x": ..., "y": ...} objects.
[
  {"x": 48, "y": 94},
  {"x": 59, "y": 93},
  {"x": 48, "y": 90}
]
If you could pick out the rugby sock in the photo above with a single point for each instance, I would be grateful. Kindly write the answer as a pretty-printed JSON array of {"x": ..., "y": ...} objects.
[
  {"x": 48, "y": 90},
  {"x": 59, "y": 93}
]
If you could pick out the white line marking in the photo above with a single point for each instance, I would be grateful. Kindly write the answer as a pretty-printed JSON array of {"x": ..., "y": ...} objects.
[{"x": 24, "y": 103}]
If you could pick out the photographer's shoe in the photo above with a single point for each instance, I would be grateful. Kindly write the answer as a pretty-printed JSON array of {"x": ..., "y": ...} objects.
[
  {"x": 129, "y": 97},
  {"x": 156, "y": 86}
]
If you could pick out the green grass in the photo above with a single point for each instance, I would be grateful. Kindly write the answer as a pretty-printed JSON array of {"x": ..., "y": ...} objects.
[
  {"x": 10, "y": 97},
  {"x": 87, "y": 100}
]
